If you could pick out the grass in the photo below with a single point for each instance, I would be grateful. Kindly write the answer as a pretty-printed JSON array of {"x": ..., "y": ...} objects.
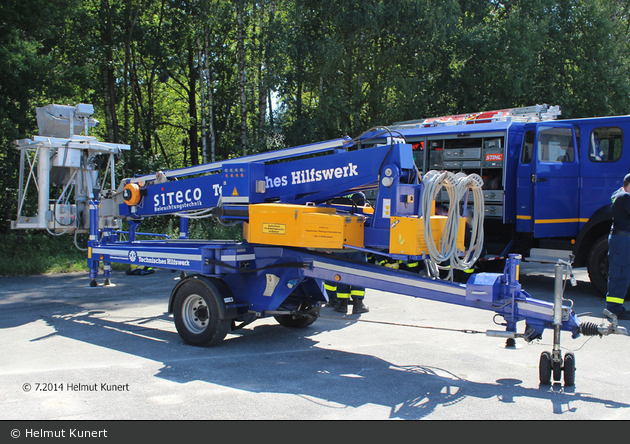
[{"x": 30, "y": 253}]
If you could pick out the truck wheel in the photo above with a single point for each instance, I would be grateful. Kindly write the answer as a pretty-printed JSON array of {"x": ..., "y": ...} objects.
[
  {"x": 196, "y": 314},
  {"x": 597, "y": 265},
  {"x": 304, "y": 318}
]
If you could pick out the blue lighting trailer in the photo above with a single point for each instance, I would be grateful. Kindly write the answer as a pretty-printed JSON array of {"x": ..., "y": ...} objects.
[{"x": 300, "y": 229}]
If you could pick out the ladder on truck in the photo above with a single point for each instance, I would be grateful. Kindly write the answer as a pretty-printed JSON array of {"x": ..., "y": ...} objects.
[{"x": 535, "y": 113}]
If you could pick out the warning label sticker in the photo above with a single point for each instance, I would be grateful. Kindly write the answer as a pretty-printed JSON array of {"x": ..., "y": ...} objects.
[{"x": 274, "y": 228}]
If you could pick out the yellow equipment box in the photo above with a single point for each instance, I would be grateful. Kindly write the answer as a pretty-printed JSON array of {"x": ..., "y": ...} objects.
[
  {"x": 302, "y": 226},
  {"x": 406, "y": 235}
]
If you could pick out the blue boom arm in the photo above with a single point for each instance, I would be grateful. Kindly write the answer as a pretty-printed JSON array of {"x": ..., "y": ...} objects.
[{"x": 311, "y": 173}]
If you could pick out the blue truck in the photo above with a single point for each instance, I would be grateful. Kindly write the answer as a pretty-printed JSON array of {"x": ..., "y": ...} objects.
[
  {"x": 298, "y": 227},
  {"x": 547, "y": 182}
]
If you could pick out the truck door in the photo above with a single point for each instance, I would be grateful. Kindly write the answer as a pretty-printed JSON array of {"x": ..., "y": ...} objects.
[
  {"x": 554, "y": 182},
  {"x": 524, "y": 213}
]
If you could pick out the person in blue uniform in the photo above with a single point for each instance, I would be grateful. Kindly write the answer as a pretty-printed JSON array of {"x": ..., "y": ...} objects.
[{"x": 619, "y": 252}]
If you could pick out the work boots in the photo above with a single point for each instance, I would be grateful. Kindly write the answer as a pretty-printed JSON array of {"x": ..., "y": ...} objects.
[
  {"x": 358, "y": 306},
  {"x": 342, "y": 305},
  {"x": 333, "y": 302}
]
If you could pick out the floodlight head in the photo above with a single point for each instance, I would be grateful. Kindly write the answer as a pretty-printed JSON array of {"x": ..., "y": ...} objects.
[
  {"x": 54, "y": 120},
  {"x": 83, "y": 110}
]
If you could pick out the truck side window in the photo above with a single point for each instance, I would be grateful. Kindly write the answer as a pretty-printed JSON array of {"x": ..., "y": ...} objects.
[
  {"x": 528, "y": 146},
  {"x": 556, "y": 145},
  {"x": 605, "y": 144}
]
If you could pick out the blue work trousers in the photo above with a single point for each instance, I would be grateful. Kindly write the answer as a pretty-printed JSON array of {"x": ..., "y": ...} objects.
[{"x": 344, "y": 291}]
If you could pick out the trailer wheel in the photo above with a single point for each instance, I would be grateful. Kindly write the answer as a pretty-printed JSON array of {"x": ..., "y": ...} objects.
[
  {"x": 544, "y": 368},
  {"x": 305, "y": 317},
  {"x": 597, "y": 265},
  {"x": 569, "y": 369},
  {"x": 196, "y": 314}
]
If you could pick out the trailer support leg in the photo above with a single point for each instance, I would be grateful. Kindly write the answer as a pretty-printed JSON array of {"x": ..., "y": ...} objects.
[
  {"x": 552, "y": 364},
  {"x": 556, "y": 355},
  {"x": 109, "y": 236},
  {"x": 93, "y": 263}
]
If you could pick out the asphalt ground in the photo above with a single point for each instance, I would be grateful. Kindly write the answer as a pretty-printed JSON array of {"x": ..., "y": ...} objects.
[{"x": 70, "y": 352}]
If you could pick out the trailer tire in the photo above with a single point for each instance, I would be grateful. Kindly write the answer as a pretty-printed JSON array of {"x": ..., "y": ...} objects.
[
  {"x": 197, "y": 315},
  {"x": 597, "y": 265},
  {"x": 569, "y": 369},
  {"x": 544, "y": 368}
]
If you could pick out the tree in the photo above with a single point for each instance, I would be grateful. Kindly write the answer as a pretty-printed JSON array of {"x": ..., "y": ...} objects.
[
  {"x": 33, "y": 70},
  {"x": 174, "y": 77},
  {"x": 565, "y": 52}
]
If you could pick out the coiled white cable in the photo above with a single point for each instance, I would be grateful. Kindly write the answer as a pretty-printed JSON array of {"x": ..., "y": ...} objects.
[
  {"x": 433, "y": 182},
  {"x": 474, "y": 248},
  {"x": 457, "y": 187}
]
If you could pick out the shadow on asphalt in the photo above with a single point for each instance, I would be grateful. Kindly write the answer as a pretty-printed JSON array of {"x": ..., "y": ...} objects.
[{"x": 284, "y": 360}]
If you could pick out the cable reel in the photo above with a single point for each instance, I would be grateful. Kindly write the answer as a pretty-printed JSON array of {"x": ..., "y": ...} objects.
[
  {"x": 131, "y": 194},
  {"x": 457, "y": 186}
]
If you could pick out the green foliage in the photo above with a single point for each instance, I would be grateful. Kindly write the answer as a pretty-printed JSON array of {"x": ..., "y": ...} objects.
[
  {"x": 180, "y": 83},
  {"x": 207, "y": 228},
  {"x": 564, "y": 52},
  {"x": 28, "y": 253}
]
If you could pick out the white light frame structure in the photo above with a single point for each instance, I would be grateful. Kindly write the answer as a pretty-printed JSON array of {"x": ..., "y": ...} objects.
[{"x": 69, "y": 155}]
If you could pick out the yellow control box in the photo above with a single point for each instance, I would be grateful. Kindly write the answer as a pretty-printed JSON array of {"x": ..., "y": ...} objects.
[
  {"x": 406, "y": 235},
  {"x": 302, "y": 226}
]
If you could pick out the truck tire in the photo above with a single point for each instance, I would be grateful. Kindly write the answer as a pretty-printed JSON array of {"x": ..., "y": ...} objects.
[
  {"x": 196, "y": 314},
  {"x": 597, "y": 265}
]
